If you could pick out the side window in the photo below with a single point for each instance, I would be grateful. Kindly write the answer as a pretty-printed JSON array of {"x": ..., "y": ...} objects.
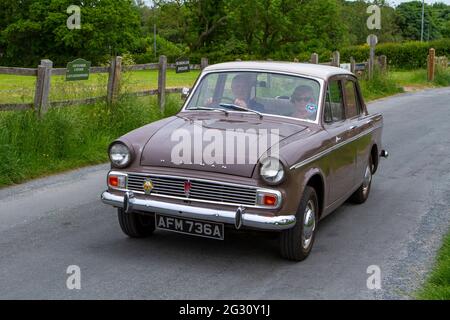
[
  {"x": 352, "y": 107},
  {"x": 334, "y": 105}
]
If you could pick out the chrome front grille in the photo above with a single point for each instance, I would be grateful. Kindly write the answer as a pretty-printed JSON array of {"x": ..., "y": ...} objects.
[{"x": 200, "y": 189}]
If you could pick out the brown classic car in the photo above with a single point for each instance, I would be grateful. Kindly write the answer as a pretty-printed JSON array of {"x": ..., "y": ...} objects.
[{"x": 267, "y": 146}]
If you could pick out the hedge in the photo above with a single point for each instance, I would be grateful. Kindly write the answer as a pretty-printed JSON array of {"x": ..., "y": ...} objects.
[
  {"x": 401, "y": 55},
  {"x": 406, "y": 55}
]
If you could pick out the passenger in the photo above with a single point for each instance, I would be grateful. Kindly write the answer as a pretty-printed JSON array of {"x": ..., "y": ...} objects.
[{"x": 304, "y": 103}]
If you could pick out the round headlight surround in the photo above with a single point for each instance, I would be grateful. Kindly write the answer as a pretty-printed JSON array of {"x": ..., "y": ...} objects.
[
  {"x": 272, "y": 171},
  {"x": 120, "y": 154}
]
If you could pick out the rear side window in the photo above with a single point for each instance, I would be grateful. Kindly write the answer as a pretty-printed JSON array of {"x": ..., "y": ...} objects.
[
  {"x": 352, "y": 107},
  {"x": 334, "y": 105}
]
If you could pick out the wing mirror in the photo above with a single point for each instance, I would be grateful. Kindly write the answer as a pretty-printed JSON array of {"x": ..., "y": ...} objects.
[{"x": 185, "y": 93}]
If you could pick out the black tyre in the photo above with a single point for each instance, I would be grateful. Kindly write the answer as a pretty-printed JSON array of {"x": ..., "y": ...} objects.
[
  {"x": 296, "y": 243},
  {"x": 136, "y": 225},
  {"x": 362, "y": 194}
]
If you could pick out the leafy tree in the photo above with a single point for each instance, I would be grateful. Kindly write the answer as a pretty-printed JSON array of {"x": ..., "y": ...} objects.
[
  {"x": 39, "y": 30},
  {"x": 355, "y": 14},
  {"x": 409, "y": 21}
]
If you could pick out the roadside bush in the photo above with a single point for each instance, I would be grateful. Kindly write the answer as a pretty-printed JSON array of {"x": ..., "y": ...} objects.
[
  {"x": 406, "y": 55},
  {"x": 69, "y": 137},
  {"x": 442, "y": 76},
  {"x": 379, "y": 86}
]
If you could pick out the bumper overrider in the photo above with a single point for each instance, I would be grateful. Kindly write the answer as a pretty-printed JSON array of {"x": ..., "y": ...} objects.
[{"x": 240, "y": 217}]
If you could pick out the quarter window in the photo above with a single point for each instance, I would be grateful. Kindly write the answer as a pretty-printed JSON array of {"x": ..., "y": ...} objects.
[
  {"x": 352, "y": 107},
  {"x": 334, "y": 106}
]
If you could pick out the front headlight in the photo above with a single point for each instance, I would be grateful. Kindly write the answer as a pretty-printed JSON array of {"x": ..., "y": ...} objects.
[
  {"x": 119, "y": 154},
  {"x": 272, "y": 171}
]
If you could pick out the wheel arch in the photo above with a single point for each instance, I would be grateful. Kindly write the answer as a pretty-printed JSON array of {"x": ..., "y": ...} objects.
[{"x": 316, "y": 181}]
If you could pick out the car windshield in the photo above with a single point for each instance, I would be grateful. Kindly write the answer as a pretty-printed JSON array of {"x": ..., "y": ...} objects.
[{"x": 265, "y": 93}]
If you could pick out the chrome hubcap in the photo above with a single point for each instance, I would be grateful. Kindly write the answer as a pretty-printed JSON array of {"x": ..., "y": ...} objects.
[
  {"x": 367, "y": 179},
  {"x": 309, "y": 224}
]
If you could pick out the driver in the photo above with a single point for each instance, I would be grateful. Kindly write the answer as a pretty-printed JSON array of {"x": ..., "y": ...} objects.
[{"x": 241, "y": 86}]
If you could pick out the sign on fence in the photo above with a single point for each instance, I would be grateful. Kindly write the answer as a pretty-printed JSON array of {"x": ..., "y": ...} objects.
[
  {"x": 78, "y": 70},
  {"x": 182, "y": 65},
  {"x": 346, "y": 66},
  {"x": 360, "y": 66}
]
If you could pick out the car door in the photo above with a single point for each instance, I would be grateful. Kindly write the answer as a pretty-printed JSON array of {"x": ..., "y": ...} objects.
[
  {"x": 341, "y": 158},
  {"x": 360, "y": 124}
]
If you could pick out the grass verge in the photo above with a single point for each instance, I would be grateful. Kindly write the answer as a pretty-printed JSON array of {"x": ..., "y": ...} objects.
[
  {"x": 69, "y": 137},
  {"x": 437, "y": 286},
  {"x": 20, "y": 89},
  {"x": 417, "y": 79},
  {"x": 381, "y": 85}
]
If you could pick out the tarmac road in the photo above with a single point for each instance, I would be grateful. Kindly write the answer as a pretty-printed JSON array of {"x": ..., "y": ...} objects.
[{"x": 51, "y": 223}]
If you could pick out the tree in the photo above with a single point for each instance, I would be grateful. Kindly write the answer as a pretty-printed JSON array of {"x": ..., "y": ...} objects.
[
  {"x": 39, "y": 31},
  {"x": 409, "y": 21},
  {"x": 355, "y": 15}
]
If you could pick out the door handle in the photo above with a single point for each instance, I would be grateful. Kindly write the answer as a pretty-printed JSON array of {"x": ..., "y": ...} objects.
[{"x": 352, "y": 128}]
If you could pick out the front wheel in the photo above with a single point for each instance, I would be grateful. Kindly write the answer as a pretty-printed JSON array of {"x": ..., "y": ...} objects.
[
  {"x": 136, "y": 225},
  {"x": 296, "y": 243}
]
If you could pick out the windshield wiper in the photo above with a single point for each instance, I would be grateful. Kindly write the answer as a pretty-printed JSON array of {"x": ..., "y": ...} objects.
[
  {"x": 208, "y": 109},
  {"x": 239, "y": 108}
]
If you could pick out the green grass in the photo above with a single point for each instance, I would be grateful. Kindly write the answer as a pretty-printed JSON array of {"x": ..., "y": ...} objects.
[
  {"x": 20, "y": 89},
  {"x": 69, "y": 137},
  {"x": 437, "y": 286},
  {"x": 417, "y": 79},
  {"x": 397, "y": 81},
  {"x": 381, "y": 85},
  {"x": 411, "y": 77}
]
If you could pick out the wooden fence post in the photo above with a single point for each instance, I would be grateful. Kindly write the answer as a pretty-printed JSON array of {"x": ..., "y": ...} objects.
[
  {"x": 431, "y": 64},
  {"x": 336, "y": 59},
  {"x": 114, "y": 80},
  {"x": 315, "y": 58},
  {"x": 162, "y": 82},
  {"x": 44, "y": 74},
  {"x": 352, "y": 65},
  {"x": 203, "y": 63}
]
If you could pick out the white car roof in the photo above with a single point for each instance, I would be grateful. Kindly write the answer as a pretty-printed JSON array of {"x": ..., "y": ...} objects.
[{"x": 306, "y": 69}]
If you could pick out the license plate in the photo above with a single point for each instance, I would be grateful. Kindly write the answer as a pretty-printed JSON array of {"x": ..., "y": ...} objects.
[{"x": 189, "y": 226}]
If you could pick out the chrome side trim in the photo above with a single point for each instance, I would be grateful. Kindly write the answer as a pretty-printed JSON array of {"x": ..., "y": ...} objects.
[
  {"x": 326, "y": 151},
  {"x": 248, "y": 219}
]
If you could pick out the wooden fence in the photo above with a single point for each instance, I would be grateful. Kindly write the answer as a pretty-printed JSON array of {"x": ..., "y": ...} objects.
[
  {"x": 433, "y": 61},
  {"x": 354, "y": 67},
  {"x": 45, "y": 71}
]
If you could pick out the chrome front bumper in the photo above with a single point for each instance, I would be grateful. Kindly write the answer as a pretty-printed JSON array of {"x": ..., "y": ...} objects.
[{"x": 240, "y": 217}]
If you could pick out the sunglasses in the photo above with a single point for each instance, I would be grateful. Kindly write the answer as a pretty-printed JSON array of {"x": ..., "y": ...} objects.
[{"x": 303, "y": 99}]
